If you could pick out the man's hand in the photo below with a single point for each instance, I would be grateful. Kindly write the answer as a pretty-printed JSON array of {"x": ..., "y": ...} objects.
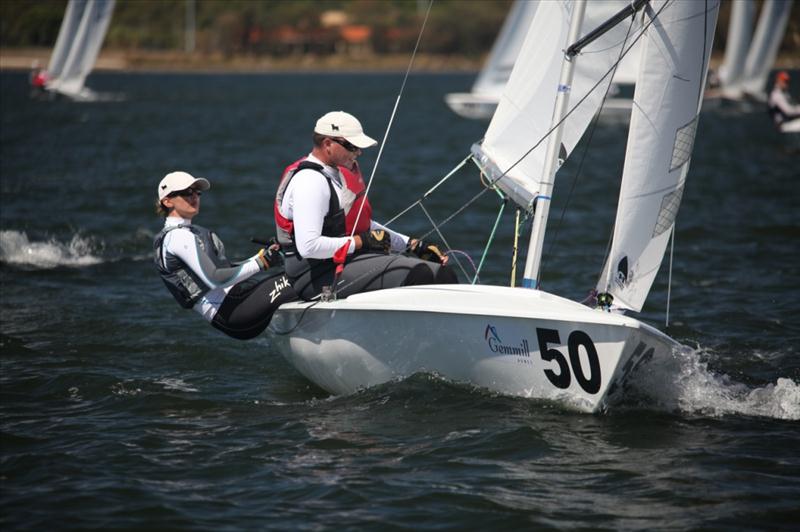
[{"x": 375, "y": 241}]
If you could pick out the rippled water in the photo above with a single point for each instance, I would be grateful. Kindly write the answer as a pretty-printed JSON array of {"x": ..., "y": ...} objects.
[{"x": 120, "y": 410}]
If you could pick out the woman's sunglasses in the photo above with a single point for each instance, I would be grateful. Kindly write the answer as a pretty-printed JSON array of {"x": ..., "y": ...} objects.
[{"x": 186, "y": 193}]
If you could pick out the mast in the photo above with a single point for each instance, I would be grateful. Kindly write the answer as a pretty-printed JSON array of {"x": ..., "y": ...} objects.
[
  {"x": 534, "y": 258},
  {"x": 533, "y": 261}
]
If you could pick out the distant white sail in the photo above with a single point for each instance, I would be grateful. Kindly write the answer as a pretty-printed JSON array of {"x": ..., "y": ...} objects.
[
  {"x": 495, "y": 74},
  {"x": 764, "y": 49},
  {"x": 740, "y": 30},
  {"x": 82, "y": 45},
  {"x": 669, "y": 88},
  {"x": 526, "y": 106},
  {"x": 66, "y": 37}
]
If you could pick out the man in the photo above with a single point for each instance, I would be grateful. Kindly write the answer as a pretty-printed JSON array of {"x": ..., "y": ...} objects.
[
  {"x": 320, "y": 202},
  {"x": 780, "y": 103}
]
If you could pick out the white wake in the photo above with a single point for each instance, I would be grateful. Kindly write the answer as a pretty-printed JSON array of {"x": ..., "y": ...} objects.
[{"x": 17, "y": 249}]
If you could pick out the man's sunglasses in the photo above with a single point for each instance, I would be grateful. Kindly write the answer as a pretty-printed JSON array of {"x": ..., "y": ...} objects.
[
  {"x": 185, "y": 193},
  {"x": 346, "y": 145}
]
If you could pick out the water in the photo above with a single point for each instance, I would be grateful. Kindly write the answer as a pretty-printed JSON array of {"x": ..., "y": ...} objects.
[{"x": 120, "y": 410}]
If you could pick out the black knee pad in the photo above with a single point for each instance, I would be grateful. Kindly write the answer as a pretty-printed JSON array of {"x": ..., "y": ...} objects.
[
  {"x": 419, "y": 274},
  {"x": 446, "y": 275}
]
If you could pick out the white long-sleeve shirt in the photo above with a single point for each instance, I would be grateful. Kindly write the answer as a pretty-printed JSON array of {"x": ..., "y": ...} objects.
[
  {"x": 306, "y": 201},
  {"x": 182, "y": 243}
]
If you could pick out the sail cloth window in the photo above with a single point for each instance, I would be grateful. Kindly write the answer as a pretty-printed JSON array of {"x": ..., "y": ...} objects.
[{"x": 77, "y": 46}]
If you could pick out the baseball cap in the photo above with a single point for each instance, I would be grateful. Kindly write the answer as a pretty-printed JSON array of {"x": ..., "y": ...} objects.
[
  {"x": 782, "y": 76},
  {"x": 175, "y": 181},
  {"x": 346, "y": 126}
]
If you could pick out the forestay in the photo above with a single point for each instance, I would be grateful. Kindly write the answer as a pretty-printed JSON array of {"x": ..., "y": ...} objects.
[
  {"x": 524, "y": 113},
  {"x": 667, "y": 100}
]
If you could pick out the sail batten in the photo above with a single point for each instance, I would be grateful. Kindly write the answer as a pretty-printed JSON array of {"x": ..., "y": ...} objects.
[{"x": 672, "y": 72}]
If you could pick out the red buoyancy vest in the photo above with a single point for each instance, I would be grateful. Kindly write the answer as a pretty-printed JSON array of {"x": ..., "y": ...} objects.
[{"x": 352, "y": 180}]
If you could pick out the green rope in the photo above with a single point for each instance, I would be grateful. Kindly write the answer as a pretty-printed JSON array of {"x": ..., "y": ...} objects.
[{"x": 491, "y": 236}]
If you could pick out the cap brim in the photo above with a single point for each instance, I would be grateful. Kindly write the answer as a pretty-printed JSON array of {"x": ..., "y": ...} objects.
[
  {"x": 361, "y": 141},
  {"x": 203, "y": 183}
]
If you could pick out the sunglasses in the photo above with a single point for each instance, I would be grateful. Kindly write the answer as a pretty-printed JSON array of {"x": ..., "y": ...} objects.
[
  {"x": 346, "y": 145},
  {"x": 186, "y": 193}
]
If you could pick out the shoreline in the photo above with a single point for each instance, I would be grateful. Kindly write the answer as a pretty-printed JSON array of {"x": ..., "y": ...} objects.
[
  {"x": 174, "y": 61},
  {"x": 179, "y": 62}
]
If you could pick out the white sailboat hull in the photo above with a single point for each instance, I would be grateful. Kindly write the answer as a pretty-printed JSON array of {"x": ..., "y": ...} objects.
[
  {"x": 792, "y": 126},
  {"x": 472, "y": 105},
  {"x": 511, "y": 341}
]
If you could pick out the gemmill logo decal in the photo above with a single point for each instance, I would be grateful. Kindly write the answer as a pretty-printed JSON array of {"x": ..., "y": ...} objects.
[{"x": 496, "y": 345}]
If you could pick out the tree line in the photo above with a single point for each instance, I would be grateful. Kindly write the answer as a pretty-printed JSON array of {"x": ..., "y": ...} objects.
[
  {"x": 267, "y": 26},
  {"x": 276, "y": 27}
]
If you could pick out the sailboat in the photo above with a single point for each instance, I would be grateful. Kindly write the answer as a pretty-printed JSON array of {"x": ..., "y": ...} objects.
[
  {"x": 80, "y": 38},
  {"x": 749, "y": 57},
  {"x": 523, "y": 341},
  {"x": 482, "y": 101}
]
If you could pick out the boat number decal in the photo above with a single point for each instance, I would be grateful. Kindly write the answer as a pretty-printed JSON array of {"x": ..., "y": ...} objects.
[{"x": 563, "y": 378}]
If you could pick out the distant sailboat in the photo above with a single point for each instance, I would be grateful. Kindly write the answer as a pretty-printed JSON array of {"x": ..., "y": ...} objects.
[
  {"x": 748, "y": 62},
  {"x": 482, "y": 101},
  {"x": 77, "y": 46}
]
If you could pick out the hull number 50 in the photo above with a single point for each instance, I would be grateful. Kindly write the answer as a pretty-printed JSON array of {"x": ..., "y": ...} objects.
[{"x": 563, "y": 377}]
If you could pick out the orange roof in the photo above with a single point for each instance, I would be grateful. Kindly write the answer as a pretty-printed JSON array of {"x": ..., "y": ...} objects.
[{"x": 356, "y": 33}]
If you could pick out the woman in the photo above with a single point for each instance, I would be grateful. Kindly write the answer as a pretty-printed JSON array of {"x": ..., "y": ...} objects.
[{"x": 192, "y": 263}]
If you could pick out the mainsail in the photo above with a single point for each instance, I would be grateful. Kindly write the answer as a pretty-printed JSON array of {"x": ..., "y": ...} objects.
[
  {"x": 523, "y": 115},
  {"x": 79, "y": 40},
  {"x": 666, "y": 106}
]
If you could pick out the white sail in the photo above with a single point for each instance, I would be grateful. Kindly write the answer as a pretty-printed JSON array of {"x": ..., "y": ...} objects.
[
  {"x": 84, "y": 46},
  {"x": 766, "y": 42},
  {"x": 66, "y": 37},
  {"x": 495, "y": 73},
  {"x": 523, "y": 116},
  {"x": 667, "y": 100},
  {"x": 740, "y": 29}
]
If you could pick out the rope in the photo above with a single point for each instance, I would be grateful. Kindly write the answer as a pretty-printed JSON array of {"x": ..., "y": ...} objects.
[
  {"x": 491, "y": 235},
  {"x": 669, "y": 279},
  {"x": 516, "y": 250},
  {"x": 444, "y": 241},
  {"x": 391, "y": 118}
]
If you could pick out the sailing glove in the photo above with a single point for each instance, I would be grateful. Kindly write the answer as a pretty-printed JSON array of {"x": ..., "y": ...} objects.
[
  {"x": 426, "y": 251},
  {"x": 376, "y": 241},
  {"x": 270, "y": 257}
]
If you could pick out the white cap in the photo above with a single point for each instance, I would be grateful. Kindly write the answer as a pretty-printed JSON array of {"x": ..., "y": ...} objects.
[
  {"x": 346, "y": 126},
  {"x": 175, "y": 181}
]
